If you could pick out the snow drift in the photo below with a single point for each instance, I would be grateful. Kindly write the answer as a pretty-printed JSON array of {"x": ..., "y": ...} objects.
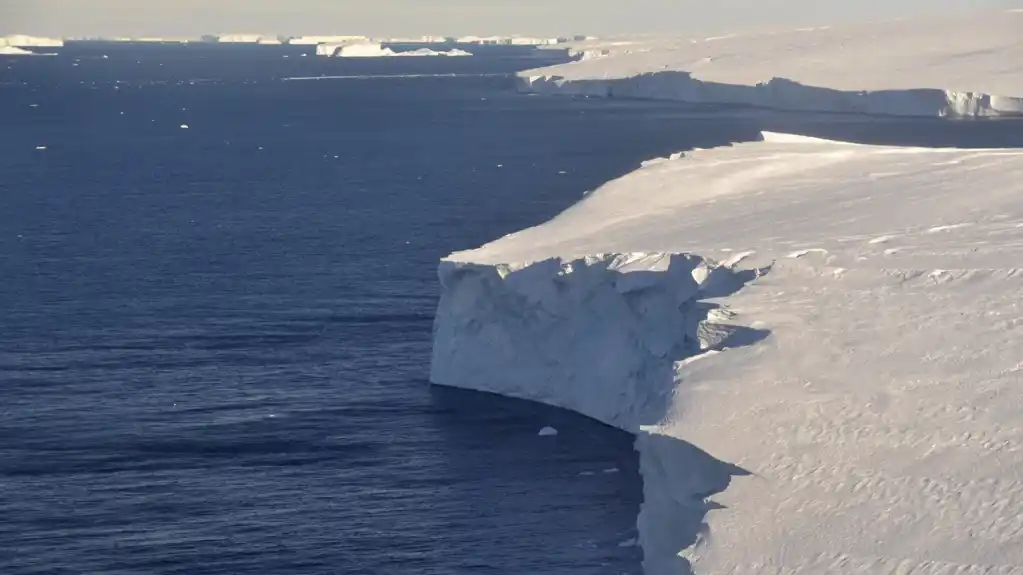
[
  {"x": 950, "y": 67},
  {"x": 816, "y": 344}
]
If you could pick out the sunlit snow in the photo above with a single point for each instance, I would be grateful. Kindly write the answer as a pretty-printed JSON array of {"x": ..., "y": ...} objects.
[{"x": 816, "y": 343}]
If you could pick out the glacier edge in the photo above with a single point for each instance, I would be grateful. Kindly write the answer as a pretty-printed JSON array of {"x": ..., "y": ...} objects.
[
  {"x": 603, "y": 335},
  {"x": 779, "y": 94}
]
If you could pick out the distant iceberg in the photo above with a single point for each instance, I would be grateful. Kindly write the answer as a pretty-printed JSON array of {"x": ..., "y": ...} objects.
[
  {"x": 317, "y": 40},
  {"x": 510, "y": 40},
  {"x": 9, "y": 49},
  {"x": 247, "y": 39},
  {"x": 378, "y": 50},
  {"x": 25, "y": 41},
  {"x": 429, "y": 52},
  {"x": 12, "y": 51}
]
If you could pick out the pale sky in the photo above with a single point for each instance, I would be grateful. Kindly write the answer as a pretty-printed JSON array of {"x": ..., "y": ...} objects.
[{"x": 447, "y": 17}]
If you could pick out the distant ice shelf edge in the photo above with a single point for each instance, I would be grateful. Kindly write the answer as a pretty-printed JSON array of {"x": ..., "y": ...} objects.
[{"x": 779, "y": 94}]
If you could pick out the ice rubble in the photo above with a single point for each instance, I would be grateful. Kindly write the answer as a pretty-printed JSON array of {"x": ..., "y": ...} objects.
[
  {"x": 816, "y": 343},
  {"x": 964, "y": 66}
]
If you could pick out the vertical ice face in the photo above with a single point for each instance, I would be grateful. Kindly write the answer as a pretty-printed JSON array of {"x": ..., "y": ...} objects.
[
  {"x": 603, "y": 336},
  {"x": 599, "y": 335}
]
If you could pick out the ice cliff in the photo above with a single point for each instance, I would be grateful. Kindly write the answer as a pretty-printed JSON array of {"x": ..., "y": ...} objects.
[
  {"x": 612, "y": 324},
  {"x": 816, "y": 344},
  {"x": 966, "y": 66}
]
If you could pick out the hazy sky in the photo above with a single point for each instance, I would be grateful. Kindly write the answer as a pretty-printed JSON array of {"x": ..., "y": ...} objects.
[{"x": 408, "y": 17}]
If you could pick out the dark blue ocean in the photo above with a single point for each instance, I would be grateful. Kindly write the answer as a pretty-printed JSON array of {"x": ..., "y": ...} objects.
[{"x": 215, "y": 341}]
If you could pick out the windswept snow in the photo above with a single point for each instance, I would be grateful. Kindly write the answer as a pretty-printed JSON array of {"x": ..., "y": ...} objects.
[
  {"x": 823, "y": 368},
  {"x": 953, "y": 66}
]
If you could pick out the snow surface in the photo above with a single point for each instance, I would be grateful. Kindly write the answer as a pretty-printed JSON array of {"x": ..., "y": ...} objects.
[
  {"x": 951, "y": 66},
  {"x": 817, "y": 345}
]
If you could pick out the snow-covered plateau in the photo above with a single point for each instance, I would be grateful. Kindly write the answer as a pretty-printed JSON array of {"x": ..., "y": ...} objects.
[
  {"x": 967, "y": 66},
  {"x": 819, "y": 346}
]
